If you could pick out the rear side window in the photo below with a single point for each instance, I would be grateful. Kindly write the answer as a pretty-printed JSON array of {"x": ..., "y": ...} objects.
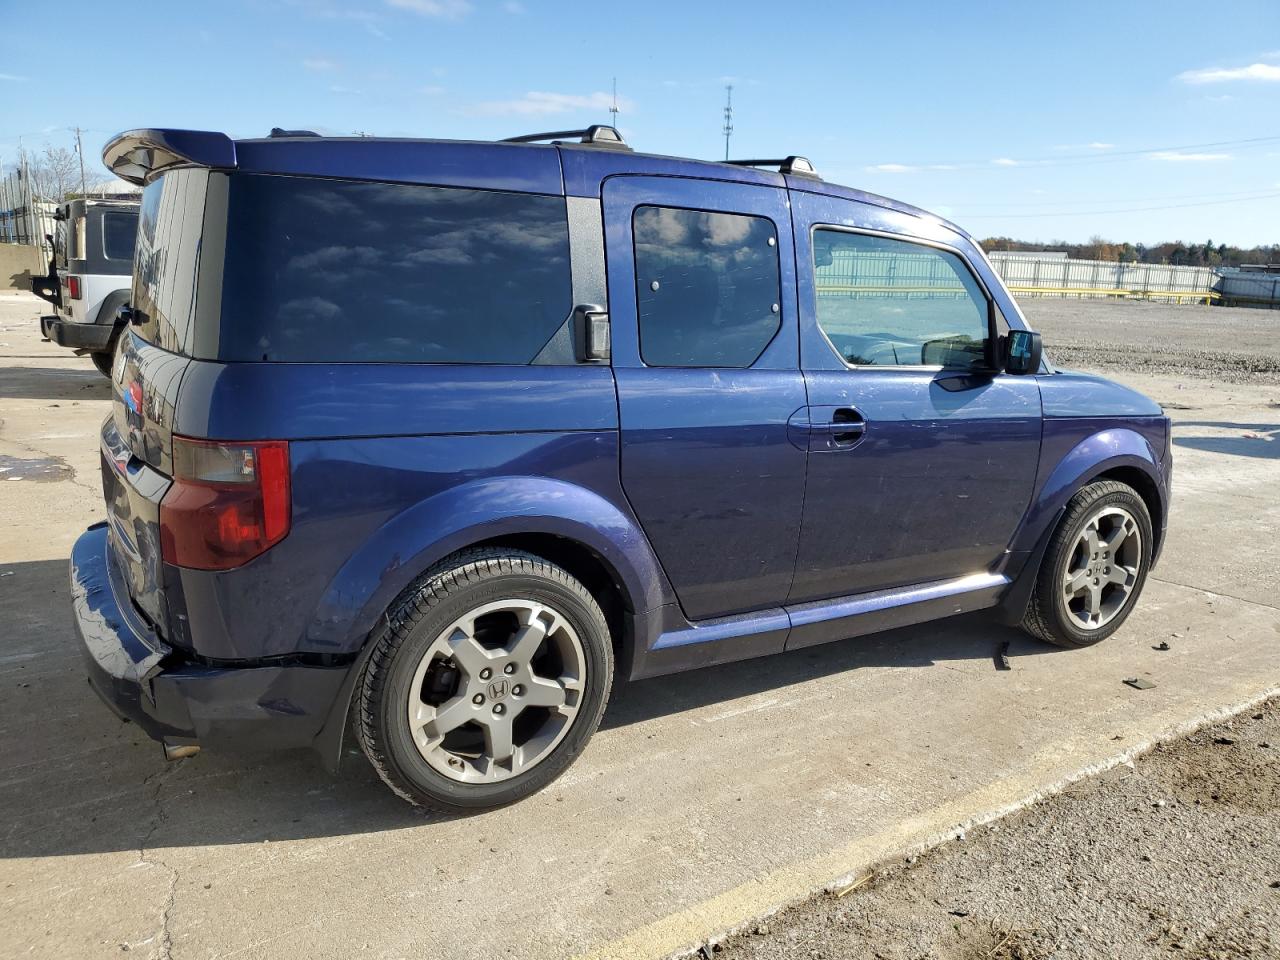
[
  {"x": 167, "y": 261},
  {"x": 335, "y": 270},
  {"x": 118, "y": 233},
  {"x": 707, "y": 287},
  {"x": 891, "y": 302}
]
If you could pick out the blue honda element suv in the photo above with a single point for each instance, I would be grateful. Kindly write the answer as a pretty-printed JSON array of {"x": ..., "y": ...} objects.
[{"x": 424, "y": 441}]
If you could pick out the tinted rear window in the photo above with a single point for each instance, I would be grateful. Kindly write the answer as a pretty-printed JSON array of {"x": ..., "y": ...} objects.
[
  {"x": 329, "y": 270},
  {"x": 118, "y": 233}
]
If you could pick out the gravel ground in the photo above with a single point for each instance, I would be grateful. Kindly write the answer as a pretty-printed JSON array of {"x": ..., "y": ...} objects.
[
  {"x": 1175, "y": 855},
  {"x": 1226, "y": 344}
]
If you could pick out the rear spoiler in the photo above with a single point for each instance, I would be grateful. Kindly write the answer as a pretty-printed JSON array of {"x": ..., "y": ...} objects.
[{"x": 140, "y": 155}]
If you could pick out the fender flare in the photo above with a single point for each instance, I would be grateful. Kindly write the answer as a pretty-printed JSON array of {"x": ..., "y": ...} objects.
[
  {"x": 414, "y": 539},
  {"x": 1108, "y": 449},
  {"x": 112, "y": 302}
]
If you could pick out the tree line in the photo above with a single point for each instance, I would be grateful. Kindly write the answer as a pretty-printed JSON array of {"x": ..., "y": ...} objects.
[{"x": 1178, "y": 253}]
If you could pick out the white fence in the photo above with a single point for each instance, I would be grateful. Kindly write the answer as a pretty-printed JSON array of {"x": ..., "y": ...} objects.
[{"x": 1055, "y": 277}]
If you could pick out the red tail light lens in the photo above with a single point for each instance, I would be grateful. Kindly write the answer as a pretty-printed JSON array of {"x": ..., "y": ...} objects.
[
  {"x": 73, "y": 287},
  {"x": 229, "y": 502}
]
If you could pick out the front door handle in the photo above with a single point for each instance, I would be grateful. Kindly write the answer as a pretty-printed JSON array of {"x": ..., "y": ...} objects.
[{"x": 838, "y": 429}]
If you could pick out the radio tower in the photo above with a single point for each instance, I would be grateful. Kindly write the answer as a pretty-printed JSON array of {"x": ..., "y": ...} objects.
[
  {"x": 614, "y": 109},
  {"x": 728, "y": 118}
]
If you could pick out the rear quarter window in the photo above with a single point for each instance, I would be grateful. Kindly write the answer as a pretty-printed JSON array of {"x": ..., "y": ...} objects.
[
  {"x": 323, "y": 270},
  {"x": 118, "y": 233}
]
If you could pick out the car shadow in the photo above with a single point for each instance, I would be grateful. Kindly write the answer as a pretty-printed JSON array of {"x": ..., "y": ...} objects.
[
  {"x": 75, "y": 780},
  {"x": 1253, "y": 440},
  {"x": 75, "y": 380}
]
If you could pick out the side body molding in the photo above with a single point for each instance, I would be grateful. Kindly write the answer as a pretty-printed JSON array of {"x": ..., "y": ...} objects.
[{"x": 415, "y": 539}]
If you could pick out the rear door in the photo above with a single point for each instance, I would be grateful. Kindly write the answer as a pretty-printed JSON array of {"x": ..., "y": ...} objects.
[
  {"x": 149, "y": 366},
  {"x": 702, "y": 302},
  {"x": 922, "y": 460}
]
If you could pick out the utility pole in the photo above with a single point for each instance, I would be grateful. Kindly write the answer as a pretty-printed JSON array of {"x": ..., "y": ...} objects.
[
  {"x": 728, "y": 118},
  {"x": 614, "y": 109},
  {"x": 80, "y": 153}
]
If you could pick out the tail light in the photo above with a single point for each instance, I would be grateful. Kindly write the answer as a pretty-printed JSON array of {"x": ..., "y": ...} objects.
[
  {"x": 73, "y": 287},
  {"x": 229, "y": 502}
]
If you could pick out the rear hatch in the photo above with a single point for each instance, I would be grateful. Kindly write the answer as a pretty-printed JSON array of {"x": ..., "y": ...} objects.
[{"x": 137, "y": 438}]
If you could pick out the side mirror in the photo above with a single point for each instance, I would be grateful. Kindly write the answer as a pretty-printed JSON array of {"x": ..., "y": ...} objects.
[
  {"x": 591, "y": 333},
  {"x": 125, "y": 315},
  {"x": 1021, "y": 352}
]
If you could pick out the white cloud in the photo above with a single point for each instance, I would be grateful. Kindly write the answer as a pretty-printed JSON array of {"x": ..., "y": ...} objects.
[
  {"x": 1175, "y": 156},
  {"x": 444, "y": 9},
  {"x": 320, "y": 64},
  {"x": 1255, "y": 71},
  {"x": 890, "y": 168},
  {"x": 1004, "y": 162},
  {"x": 1101, "y": 146},
  {"x": 536, "y": 103},
  {"x": 13, "y": 76},
  {"x": 513, "y": 6},
  {"x": 431, "y": 90}
]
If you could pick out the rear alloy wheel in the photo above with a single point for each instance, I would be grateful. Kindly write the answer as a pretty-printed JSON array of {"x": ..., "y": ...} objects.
[
  {"x": 488, "y": 680},
  {"x": 1094, "y": 568}
]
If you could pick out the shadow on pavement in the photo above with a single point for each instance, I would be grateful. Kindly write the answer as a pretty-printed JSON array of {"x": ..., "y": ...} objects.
[
  {"x": 75, "y": 379},
  {"x": 1254, "y": 439},
  {"x": 75, "y": 780}
]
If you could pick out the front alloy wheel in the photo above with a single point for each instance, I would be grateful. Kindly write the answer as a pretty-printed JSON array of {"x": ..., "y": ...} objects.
[{"x": 1094, "y": 568}]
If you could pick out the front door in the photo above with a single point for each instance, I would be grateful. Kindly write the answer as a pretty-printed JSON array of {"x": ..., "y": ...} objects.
[
  {"x": 703, "y": 317},
  {"x": 922, "y": 461}
]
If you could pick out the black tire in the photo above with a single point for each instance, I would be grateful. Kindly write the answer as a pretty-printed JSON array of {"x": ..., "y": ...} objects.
[
  {"x": 104, "y": 361},
  {"x": 1047, "y": 615},
  {"x": 447, "y": 591}
]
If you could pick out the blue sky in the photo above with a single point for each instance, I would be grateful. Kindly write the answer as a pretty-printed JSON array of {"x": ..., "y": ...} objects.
[{"x": 1137, "y": 121}]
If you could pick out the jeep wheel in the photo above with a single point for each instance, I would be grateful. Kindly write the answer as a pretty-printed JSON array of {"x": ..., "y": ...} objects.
[
  {"x": 1094, "y": 568},
  {"x": 491, "y": 673},
  {"x": 103, "y": 360}
]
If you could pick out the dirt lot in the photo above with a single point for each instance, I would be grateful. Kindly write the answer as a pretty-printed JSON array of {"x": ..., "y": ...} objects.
[
  {"x": 706, "y": 800},
  {"x": 1229, "y": 345},
  {"x": 1174, "y": 855}
]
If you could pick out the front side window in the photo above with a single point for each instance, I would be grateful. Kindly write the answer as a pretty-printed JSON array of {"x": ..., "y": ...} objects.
[
  {"x": 118, "y": 232},
  {"x": 707, "y": 287},
  {"x": 891, "y": 302}
]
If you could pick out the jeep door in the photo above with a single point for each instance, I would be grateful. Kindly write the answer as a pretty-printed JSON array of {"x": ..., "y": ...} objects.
[
  {"x": 922, "y": 458},
  {"x": 703, "y": 317}
]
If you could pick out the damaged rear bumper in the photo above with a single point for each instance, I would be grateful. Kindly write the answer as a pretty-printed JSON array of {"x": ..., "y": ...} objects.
[{"x": 181, "y": 702}]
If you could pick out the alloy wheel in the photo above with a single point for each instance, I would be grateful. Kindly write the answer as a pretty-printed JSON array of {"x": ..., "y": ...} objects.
[
  {"x": 1102, "y": 572},
  {"x": 497, "y": 691}
]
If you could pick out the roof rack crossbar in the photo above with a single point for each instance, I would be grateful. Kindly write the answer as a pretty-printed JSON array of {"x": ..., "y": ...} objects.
[
  {"x": 598, "y": 135},
  {"x": 796, "y": 166}
]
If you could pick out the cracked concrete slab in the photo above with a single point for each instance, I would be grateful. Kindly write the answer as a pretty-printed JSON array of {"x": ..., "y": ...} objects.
[{"x": 705, "y": 800}]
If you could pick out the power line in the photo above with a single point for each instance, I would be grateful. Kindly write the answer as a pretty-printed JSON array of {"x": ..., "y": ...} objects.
[
  {"x": 1110, "y": 156},
  {"x": 1099, "y": 213}
]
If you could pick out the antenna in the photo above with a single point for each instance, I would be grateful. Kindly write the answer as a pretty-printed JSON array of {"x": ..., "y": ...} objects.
[
  {"x": 728, "y": 118},
  {"x": 614, "y": 109}
]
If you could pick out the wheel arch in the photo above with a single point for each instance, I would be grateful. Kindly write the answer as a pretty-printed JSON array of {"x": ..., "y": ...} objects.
[
  {"x": 591, "y": 537},
  {"x": 1113, "y": 453}
]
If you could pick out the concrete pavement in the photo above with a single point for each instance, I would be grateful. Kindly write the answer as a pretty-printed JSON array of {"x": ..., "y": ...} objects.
[{"x": 705, "y": 800}]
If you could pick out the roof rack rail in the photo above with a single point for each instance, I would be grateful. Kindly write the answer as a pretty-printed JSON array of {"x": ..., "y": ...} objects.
[
  {"x": 796, "y": 166},
  {"x": 596, "y": 135},
  {"x": 277, "y": 133}
]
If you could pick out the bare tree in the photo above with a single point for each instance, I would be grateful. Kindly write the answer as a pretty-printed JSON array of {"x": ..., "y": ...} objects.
[{"x": 55, "y": 173}]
